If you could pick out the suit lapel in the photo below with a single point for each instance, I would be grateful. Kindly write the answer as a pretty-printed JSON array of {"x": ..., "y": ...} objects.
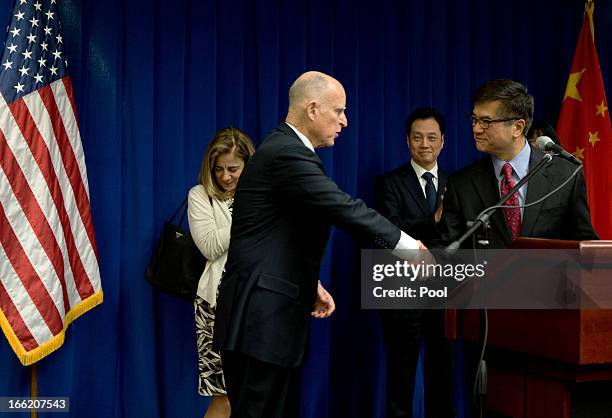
[
  {"x": 413, "y": 186},
  {"x": 486, "y": 187},
  {"x": 537, "y": 187}
]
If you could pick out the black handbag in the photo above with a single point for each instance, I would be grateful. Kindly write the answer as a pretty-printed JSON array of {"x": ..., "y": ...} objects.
[{"x": 177, "y": 263}]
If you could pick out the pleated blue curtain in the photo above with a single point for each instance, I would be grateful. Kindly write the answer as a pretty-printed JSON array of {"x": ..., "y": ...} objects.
[{"x": 155, "y": 79}]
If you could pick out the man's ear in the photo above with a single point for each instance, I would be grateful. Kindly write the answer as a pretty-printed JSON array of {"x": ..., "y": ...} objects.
[
  {"x": 520, "y": 128},
  {"x": 312, "y": 109}
]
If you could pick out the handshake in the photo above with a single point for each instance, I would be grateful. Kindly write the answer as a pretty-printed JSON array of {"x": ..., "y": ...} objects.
[{"x": 415, "y": 256}]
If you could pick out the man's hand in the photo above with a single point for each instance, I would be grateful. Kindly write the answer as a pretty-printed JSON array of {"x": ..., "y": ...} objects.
[
  {"x": 425, "y": 256},
  {"x": 324, "y": 305}
]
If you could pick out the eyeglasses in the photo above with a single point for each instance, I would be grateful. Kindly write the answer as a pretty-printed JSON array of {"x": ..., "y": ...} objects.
[{"x": 484, "y": 123}]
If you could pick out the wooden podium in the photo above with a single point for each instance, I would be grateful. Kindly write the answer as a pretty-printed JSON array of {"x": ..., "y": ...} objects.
[{"x": 550, "y": 363}]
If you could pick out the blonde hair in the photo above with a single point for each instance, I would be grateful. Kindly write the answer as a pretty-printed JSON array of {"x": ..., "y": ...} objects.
[{"x": 227, "y": 140}]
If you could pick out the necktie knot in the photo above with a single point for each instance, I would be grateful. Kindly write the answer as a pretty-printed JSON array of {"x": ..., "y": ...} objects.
[
  {"x": 428, "y": 176},
  {"x": 507, "y": 170}
]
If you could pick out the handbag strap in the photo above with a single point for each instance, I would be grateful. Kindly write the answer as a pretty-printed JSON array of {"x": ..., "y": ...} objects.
[
  {"x": 184, "y": 210},
  {"x": 184, "y": 203}
]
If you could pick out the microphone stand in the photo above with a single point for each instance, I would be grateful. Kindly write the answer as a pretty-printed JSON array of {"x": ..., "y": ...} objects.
[{"x": 482, "y": 220}]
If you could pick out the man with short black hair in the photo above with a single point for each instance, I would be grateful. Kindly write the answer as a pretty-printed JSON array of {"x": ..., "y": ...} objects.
[
  {"x": 411, "y": 198},
  {"x": 501, "y": 117}
]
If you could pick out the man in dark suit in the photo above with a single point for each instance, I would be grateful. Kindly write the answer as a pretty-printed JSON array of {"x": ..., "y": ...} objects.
[
  {"x": 411, "y": 198},
  {"x": 284, "y": 207},
  {"x": 502, "y": 114}
]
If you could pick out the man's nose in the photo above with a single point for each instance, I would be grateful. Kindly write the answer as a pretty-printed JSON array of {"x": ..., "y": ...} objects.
[{"x": 343, "y": 120}]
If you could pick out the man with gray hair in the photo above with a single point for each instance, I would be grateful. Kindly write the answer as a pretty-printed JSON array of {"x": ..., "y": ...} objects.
[{"x": 283, "y": 210}]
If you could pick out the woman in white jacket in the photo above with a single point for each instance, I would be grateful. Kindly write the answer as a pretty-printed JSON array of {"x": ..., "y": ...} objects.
[{"x": 210, "y": 221}]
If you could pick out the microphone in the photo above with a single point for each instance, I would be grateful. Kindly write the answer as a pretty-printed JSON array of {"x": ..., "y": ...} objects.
[{"x": 544, "y": 143}]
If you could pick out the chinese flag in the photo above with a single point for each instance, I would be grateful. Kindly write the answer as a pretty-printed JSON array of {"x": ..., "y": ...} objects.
[{"x": 584, "y": 125}]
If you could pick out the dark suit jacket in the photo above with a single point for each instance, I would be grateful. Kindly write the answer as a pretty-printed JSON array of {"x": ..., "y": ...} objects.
[
  {"x": 564, "y": 215},
  {"x": 283, "y": 209},
  {"x": 400, "y": 198}
]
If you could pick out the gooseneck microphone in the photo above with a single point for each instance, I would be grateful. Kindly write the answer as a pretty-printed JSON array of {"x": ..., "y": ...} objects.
[{"x": 544, "y": 143}]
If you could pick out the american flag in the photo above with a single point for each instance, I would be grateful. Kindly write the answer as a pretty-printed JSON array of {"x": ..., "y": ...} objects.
[{"x": 49, "y": 271}]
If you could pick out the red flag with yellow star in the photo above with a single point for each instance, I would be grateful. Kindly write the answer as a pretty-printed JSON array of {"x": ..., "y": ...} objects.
[{"x": 584, "y": 125}]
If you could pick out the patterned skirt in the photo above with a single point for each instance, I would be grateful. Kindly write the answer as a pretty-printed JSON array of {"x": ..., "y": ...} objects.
[{"x": 211, "y": 379}]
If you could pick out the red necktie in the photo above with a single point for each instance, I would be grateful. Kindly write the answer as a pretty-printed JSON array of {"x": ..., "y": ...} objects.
[{"x": 513, "y": 215}]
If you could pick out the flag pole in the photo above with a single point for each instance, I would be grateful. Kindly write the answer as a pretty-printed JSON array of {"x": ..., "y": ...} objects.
[
  {"x": 33, "y": 388},
  {"x": 589, "y": 8}
]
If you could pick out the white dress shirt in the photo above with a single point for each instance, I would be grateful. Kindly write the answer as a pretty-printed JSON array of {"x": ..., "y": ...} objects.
[{"x": 420, "y": 171}]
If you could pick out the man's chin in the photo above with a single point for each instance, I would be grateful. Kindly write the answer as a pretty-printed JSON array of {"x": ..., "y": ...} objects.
[
  {"x": 329, "y": 143},
  {"x": 481, "y": 146}
]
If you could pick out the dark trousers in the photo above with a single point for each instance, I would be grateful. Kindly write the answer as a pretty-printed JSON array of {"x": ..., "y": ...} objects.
[
  {"x": 403, "y": 331},
  {"x": 257, "y": 389}
]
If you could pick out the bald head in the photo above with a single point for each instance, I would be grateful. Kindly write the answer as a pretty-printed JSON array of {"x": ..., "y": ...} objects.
[
  {"x": 316, "y": 107},
  {"x": 310, "y": 86}
]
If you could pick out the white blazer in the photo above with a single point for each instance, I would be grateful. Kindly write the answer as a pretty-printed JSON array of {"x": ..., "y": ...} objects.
[{"x": 210, "y": 227}]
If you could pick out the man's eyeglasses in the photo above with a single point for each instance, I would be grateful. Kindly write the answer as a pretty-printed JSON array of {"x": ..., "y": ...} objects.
[{"x": 484, "y": 123}]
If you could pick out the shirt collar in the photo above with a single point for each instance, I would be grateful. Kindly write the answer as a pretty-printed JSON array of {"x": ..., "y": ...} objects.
[
  {"x": 520, "y": 163},
  {"x": 302, "y": 137},
  {"x": 420, "y": 170}
]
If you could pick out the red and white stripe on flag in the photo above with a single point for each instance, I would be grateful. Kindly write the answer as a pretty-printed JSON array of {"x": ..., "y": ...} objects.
[{"x": 49, "y": 271}]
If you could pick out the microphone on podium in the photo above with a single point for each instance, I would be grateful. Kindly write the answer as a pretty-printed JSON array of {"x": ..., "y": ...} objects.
[{"x": 544, "y": 143}]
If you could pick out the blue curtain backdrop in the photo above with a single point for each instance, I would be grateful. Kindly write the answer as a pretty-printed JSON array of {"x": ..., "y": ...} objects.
[{"x": 155, "y": 79}]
